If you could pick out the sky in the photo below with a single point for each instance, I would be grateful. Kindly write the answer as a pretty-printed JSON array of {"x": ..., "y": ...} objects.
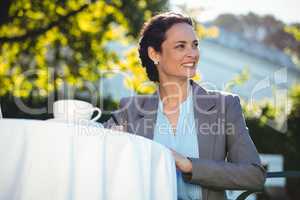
[{"x": 287, "y": 11}]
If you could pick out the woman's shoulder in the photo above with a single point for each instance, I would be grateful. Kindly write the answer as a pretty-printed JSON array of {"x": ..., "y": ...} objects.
[
  {"x": 223, "y": 94},
  {"x": 200, "y": 90},
  {"x": 218, "y": 95},
  {"x": 227, "y": 98}
]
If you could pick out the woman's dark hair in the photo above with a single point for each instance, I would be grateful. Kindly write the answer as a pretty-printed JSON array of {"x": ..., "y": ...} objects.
[{"x": 153, "y": 34}]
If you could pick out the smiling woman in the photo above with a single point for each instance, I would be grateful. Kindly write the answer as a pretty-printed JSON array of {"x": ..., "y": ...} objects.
[
  {"x": 205, "y": 130},
  {"x": 164, "y": 46},
  {"x": 179, "y": 53}
]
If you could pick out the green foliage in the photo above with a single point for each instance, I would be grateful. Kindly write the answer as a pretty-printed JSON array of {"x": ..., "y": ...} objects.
[
  {"x": 294, "y": 49},
  {"x": 294, "y": 125},
  {"x": 238, "y": 80},
  {"x": 293, "y": 30},
  {"x": 271, "y": 141},
  {"x": 46, "y": 44}
]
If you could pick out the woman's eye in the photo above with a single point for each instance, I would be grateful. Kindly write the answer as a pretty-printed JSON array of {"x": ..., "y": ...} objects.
[{"x": 181, "y": 46}]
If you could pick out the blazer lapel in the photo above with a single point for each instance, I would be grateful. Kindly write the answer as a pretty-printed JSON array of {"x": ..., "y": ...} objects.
[
  {"x": 145, "y": 124},
  {"x": 204, "y": 113}
]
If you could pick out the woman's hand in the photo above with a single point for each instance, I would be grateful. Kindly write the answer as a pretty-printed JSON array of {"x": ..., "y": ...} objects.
[{"x": 182, "y": 163}]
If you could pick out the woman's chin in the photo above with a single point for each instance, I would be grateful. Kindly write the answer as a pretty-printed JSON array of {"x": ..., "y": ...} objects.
[{"x": 191, "y": 73}]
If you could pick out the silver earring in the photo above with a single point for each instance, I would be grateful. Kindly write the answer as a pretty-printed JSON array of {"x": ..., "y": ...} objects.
[{"x": 155, "y": 62}]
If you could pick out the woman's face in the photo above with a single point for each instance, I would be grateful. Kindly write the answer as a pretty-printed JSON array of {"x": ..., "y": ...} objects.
[{"x": 179, "y": 53}]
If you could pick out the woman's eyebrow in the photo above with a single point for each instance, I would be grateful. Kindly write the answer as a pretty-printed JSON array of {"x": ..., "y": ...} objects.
[
  {"x": 184, "y": 42},
  {"x": 180, "y": 42}
]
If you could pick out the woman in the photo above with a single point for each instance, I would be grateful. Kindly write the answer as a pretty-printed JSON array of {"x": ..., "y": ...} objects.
[{"x": 205, "y": 130}]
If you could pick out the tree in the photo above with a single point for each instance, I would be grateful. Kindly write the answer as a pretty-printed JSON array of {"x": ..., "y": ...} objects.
[
  {"x": 294, "y": 47},
  {"x": 47, "y": 44}
]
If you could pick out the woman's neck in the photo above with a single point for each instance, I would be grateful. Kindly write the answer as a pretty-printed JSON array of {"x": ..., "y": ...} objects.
[{"x": 173, "y": 92}]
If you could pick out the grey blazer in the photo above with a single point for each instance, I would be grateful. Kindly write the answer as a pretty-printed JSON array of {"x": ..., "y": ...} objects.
[{"x": 227, "y": 159}]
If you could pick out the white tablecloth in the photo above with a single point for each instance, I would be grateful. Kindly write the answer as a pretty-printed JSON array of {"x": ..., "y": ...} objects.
[{"x": 41, "y": 160}]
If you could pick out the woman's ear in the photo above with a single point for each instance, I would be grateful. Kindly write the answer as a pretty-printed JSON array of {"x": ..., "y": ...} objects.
[{"x": 153, "y": 55}]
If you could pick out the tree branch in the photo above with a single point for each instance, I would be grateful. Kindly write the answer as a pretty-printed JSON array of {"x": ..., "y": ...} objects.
[
  {"x": 4, "y": 8},
  {"x": 37, "y": 32}
]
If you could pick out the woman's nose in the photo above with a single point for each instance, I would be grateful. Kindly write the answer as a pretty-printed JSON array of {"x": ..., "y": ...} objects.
[{"x": 194, "y": 53}]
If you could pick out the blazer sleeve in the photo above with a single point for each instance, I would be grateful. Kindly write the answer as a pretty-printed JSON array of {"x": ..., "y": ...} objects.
[
  {"x": 242, "y": 170},
  {"x": 120, "y": 116}
]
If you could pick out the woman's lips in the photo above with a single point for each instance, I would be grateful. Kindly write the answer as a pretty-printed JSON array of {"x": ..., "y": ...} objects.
[{"x": 189, "y": 65}]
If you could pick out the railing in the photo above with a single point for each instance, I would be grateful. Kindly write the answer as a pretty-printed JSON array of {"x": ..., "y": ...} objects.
[{"x": 285, "y": 174}]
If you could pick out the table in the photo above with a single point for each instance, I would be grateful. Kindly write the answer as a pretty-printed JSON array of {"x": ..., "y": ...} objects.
[{"x": 58, "y": 161}]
